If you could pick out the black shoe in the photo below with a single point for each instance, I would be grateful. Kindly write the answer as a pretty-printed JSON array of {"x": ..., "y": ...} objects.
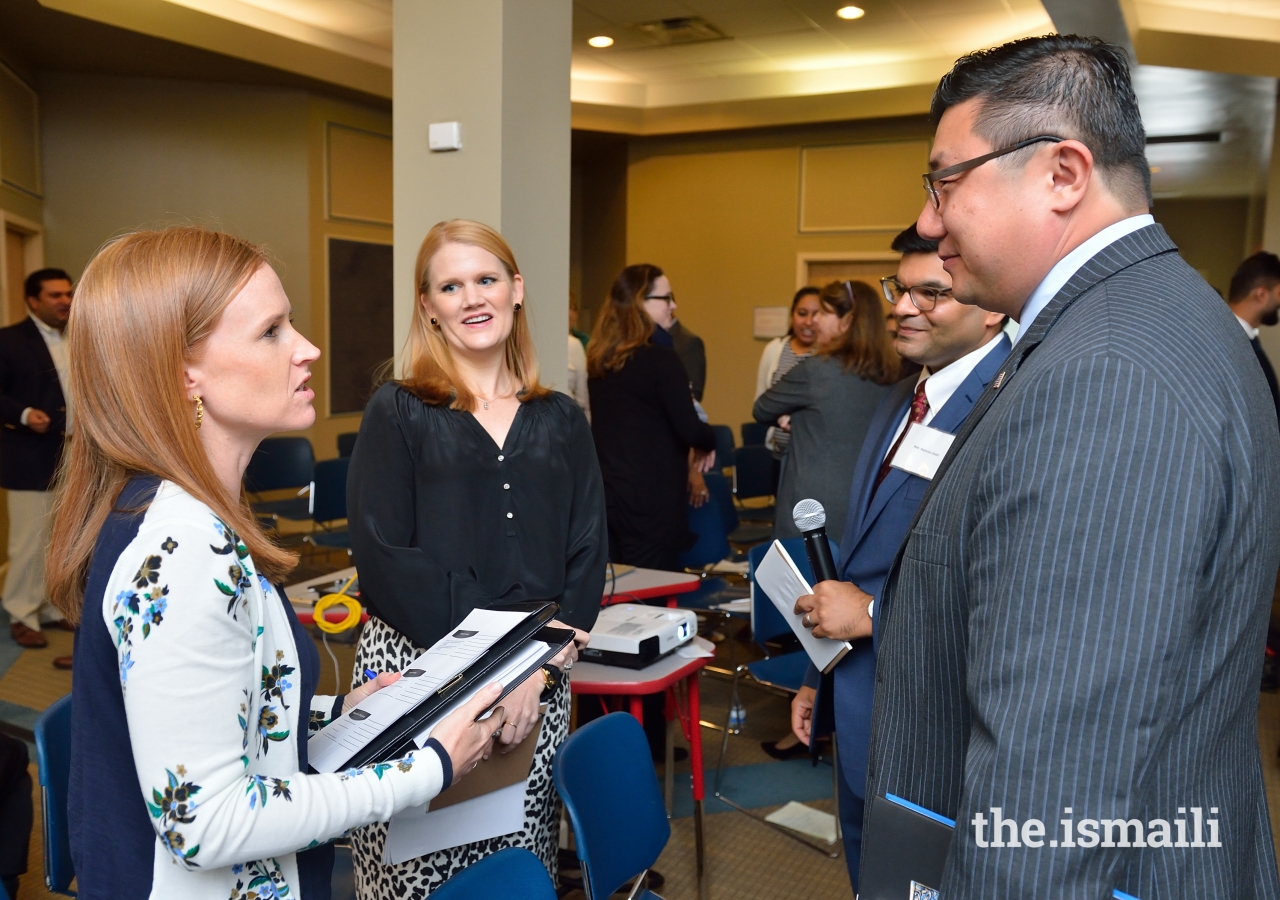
[{"x": 796, "y": 749}]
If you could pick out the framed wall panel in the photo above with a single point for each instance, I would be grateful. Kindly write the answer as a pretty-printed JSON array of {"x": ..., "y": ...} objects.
[
  {"x": 361, "y": 337},
  {"x": 19, "y": 134},
  {"x": 862, "y": 187},
  {"x": 358, "y": 175}
]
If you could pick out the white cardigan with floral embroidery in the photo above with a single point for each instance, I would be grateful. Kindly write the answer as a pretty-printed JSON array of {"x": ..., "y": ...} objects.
[{"x": 207, "y": 667}]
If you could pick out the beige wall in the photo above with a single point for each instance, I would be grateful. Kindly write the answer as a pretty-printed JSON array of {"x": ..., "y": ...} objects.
[{"x": 720, "y": 214}]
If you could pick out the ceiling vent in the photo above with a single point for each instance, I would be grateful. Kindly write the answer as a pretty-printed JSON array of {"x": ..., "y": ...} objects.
[{"x": 682, "y": 30}]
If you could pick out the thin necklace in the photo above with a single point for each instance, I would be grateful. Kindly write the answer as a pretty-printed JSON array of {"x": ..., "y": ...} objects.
[{"x": 495, "y": 399}]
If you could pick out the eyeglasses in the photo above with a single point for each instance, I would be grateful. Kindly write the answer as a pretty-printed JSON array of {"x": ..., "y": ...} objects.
[
  {"x": 922, "y": 298},
  {"x": 931, "y": 179},
  {"x": 665, "y": 298}
]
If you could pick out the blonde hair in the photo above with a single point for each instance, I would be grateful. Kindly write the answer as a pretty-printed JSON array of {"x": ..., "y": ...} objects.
[
  {"x": 428, "y": 369},
  {"x": 146, "y": 304}
]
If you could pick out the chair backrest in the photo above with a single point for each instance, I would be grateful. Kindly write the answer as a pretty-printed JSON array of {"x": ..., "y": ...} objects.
[
  {"x": 329, "y": 490},
  {"x": 753, "y": 433},
  {"x": 707, "y": 522},
  {"x": 724, "y": 445},
  {"x": 606, "y": 779},
  {"x": 53, "y": 757},
  {"x": 284, "y": 462},
  {"x": 347, "y": 442},
  {"x": 766, "y": 622},
  {"x": 722, "y": 493},
  {"x": 753, "y": 472},
  {"x": 510, "y": 874}
]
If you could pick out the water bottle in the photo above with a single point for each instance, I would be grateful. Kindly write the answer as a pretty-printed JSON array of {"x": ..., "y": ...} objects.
[{"x": 737, "y": 716}]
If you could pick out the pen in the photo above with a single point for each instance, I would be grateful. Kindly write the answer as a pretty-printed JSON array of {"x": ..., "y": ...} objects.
[{"x": 369, "y": 674}]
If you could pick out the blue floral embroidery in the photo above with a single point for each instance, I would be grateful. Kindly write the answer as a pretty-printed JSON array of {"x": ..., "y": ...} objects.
[
  {"x": 403, "y": 765},
  {"x": 238, "y": 573},
  {"x": 267, "y": 720},
  {"x": 265, "y": 882},
  {"x": 257, "y": 790},
  {"x": 175, "y": 806},
  {"x": 274, "y": 682},
  {"x": 149, "y": 602}
]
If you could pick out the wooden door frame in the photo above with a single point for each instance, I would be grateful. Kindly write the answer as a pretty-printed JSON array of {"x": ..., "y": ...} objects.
[
  {"x": 805, "y": 257},
  {"x": 32, "y": 253}
]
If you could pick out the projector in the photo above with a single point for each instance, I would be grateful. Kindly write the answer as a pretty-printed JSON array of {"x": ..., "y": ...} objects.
[{"x": 633, "y": 636}]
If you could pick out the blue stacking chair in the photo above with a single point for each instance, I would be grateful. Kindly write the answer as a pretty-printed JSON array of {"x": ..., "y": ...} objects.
[
  {"x": 738, "y": 532},
  {"x": 753, "y": 433},
  {"x": 606, "y": 779},
  {"x": 510, "y": 874},
  {"x": 279, "y": 464},
  {"x": 53, "y": 757},
  {"x": 783, "y": 673},
  {"x": 724, "y": 446},
  {"x": 329, "y": 505},
  {"x": 753, "y": 466},
  {"x": 707, "y": 522},
  {"x": 347, "y": 442}
]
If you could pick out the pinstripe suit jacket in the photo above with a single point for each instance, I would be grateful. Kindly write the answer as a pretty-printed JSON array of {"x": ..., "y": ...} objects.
[{"x": 1077, "y": 617}]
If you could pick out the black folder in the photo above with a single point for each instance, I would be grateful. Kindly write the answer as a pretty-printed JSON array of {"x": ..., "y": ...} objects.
[
  {"x": 397, "y": 740},
  {"x": 904, "y": 850}
]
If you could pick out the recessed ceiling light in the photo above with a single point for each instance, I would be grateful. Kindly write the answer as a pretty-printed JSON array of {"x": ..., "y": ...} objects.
[
  {"x": 601, "y": 40},
  {"x": 851, "y": 12}
]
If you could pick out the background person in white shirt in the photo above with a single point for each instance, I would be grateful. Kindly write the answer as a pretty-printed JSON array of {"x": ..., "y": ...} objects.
[{"x": 33, "y": 412}]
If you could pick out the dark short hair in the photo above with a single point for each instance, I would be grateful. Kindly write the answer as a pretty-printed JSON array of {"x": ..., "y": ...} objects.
[
  {"x": 35, "y": 281},
  {"x": 1262, "y": 268},
  {"x": 910, "y": 241},
  {"x": 1061, "y": 84}
]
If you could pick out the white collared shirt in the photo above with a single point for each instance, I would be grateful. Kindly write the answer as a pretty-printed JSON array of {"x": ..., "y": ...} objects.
[
  {"x": 56, "y": 341},
  {"x": 940, "y": 385},
  {"x": 1061, "y": 273},
  {"x": 1248, "y": 329}
]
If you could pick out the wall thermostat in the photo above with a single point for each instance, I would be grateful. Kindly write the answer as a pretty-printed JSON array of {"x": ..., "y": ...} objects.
[{"x": 442, "y": 136}]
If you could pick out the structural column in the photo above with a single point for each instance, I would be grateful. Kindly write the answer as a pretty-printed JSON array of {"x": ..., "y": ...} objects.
[{"x": 500, "y": 68}]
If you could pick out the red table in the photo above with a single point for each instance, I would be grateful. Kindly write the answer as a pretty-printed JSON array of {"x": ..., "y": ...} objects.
[
  {"x": 664, "y": 675},
  {"x": 648, "y": 584}
]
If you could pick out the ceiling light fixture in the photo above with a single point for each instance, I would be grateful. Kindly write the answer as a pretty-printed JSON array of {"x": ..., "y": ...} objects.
[
  {"x": 601, "y": 40},
  {"x": 851, "y": 12}
]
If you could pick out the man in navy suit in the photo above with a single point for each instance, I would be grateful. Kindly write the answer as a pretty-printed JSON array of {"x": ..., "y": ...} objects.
[
  {"x": 33, "y": 416},
  {"x": 1254, "y": 297},
  {"x": 960, "y": 348}
]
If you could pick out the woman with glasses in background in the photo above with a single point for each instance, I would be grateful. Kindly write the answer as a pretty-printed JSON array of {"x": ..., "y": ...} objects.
[{"x": 830, "y": 399}]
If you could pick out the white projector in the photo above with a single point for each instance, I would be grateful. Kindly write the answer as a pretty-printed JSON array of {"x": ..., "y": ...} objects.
[{"x": 633, "y": 636}]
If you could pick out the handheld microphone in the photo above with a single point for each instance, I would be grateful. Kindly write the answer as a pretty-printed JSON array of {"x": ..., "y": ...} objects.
[{"x": 811, "y": 519}]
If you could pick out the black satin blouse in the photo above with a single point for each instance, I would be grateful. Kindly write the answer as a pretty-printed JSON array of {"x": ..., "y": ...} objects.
[{"x": 444, "y": 521}]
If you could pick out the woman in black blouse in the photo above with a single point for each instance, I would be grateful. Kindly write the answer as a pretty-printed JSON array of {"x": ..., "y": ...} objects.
[
  {"x": 472, "y": 484},
  {"x": 644, "y": 422}
]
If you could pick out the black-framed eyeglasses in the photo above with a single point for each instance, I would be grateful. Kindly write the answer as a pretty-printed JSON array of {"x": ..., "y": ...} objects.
[
  {"x": 666, "y": 298},
  {"x": 931, "y": 179},
  {"x": 922, "y": 298}
]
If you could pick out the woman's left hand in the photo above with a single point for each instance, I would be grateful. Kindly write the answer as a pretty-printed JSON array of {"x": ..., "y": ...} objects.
[
  {"x": 569, "y": 655},
  {"x": 371, "y": 686},
  {"x": 521, "y": 707}
]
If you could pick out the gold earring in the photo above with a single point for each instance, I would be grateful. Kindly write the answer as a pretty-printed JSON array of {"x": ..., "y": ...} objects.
[{"x": 199, "y": 411}]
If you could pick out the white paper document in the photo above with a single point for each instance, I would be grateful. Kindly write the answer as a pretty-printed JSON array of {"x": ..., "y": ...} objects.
[
  {"x": 416, "y": 832},
  {"x": 331, "y": 747},
  {"x": 778, "y": 577},
  {"x": 516, "y": 666}
]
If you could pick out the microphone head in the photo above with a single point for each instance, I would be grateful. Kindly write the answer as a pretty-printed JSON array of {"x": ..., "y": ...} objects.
[{"x": 809, "y": 515}]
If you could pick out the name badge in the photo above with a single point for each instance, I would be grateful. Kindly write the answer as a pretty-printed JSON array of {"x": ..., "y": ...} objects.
[{"x": 922, "y": 450}]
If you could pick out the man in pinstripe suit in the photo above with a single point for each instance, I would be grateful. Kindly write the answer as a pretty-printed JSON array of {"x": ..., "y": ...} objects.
[{"x": 1073, "y": 629}]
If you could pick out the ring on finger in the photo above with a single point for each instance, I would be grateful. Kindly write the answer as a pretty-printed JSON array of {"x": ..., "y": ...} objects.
[{"x": 806, "y": 621}]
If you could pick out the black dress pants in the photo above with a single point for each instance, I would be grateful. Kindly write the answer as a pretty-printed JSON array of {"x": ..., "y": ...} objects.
[{"x": 15, "y": 811}]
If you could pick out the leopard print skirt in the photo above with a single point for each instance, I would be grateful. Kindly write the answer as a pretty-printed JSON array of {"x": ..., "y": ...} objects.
[{"x": 383, "y": 649}]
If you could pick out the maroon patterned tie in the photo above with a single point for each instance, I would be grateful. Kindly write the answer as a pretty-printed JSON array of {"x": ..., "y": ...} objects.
[{"x": 919, "y": 409}]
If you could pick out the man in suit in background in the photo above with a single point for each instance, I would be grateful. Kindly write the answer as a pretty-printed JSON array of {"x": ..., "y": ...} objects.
[
  {"x": 33, "y": 412},
  {"x": 1074, "y": 627},
  {"x": 1254, "y": 297},
  {"x": 960, "y": 348},
  {"x": 693, "y": 353}
]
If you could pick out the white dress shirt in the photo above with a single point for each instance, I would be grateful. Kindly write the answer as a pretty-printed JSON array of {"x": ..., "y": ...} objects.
[
  {"x": 940, "y": 385},
  {"x": 1061, "y": 273},
  {"x": 1248, "y": 329},
  {"x": 56, "y": 341}
]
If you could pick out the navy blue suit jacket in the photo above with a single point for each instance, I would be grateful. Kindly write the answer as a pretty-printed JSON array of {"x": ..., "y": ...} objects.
[{"x": 870, "y": 544}]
